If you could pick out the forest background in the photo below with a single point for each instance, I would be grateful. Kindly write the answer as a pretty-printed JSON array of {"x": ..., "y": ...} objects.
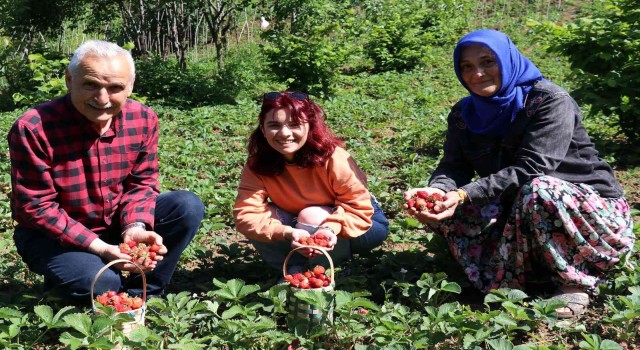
[{"x": 382, "y": 70}]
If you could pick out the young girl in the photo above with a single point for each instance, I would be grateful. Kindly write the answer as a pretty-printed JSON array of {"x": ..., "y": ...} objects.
[{"x": 299, "y": 180}]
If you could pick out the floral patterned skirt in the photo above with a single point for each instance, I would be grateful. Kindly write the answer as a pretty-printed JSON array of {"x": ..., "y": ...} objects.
[{"x": 566, "y": 228}]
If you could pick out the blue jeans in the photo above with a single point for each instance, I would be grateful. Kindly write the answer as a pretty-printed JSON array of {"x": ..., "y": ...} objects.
[
  {"x": 69, "y": 271},
  {"x": 274, "y": 253}
]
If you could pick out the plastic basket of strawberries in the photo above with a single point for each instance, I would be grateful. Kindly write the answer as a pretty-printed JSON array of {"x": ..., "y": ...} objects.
[
  {"x": 316, "y": 280},
  {"x": 122, "y": 302}
]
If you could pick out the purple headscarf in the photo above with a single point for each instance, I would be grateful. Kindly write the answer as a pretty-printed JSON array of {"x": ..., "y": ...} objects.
[{"x": 492, "y": 115}]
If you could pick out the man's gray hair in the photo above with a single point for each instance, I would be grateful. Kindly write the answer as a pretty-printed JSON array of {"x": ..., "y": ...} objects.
[{"x": 102, "y": 49}]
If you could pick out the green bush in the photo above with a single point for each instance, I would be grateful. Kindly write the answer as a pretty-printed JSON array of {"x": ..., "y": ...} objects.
[
  {"x": 164, "y": 81},
  {"x": 32, "y": 81},
  {"x": 47, "y": 80},
  {"x": 603, "y": 51},
  {"x": 310, "y": 42},
  {"x": 399, "y": 34},
  {"x": 243, "y": 76}
]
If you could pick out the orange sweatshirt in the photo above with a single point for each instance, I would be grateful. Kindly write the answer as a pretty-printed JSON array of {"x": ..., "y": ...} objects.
[{"x": 338, "y": 183}]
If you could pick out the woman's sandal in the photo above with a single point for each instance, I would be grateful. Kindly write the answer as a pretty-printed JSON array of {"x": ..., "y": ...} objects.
[{"x": 576, "y": 303}]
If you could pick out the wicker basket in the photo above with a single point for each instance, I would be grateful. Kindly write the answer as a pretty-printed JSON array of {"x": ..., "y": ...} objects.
[
  {"x": 301, "y": 313},
  {"x": 138, "y": 314}
]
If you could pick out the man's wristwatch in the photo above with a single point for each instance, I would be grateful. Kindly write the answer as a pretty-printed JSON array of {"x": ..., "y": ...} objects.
[
  {"x": 132, "y": 225},
  {"x": 463, "y": 195}
]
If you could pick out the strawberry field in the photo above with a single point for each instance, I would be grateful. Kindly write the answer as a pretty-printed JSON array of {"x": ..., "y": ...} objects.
[{"x": 406, "y": 294}]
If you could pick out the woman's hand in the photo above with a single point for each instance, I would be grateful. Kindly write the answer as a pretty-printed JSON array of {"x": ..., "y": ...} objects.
[
  {"x": 447, "y": 206},
  {"x": 441, "y": 209}
]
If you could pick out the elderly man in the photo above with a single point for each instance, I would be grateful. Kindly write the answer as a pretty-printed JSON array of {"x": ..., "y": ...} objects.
[{"x": 84, "y": 175}]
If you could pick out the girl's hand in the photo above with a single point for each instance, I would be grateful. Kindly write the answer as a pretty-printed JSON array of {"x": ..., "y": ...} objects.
[
  {"x": 296, "y": 235},
  {"x": 332, "y": 239}
]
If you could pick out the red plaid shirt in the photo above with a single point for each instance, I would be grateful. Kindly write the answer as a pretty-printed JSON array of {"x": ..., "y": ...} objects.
[{"x": 74, "y": 184}]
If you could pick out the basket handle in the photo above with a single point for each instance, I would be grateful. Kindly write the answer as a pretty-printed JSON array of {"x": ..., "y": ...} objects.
[
  {"x": 324, "y": 251},
  {"x": 108, "y": 265}
]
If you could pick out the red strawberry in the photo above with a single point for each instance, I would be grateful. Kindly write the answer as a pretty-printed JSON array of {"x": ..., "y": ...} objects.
[
  {"x": 136, "y": 303},
  {"x": 318, "y": 270},
  {"x": 437, "y": 197},
  {"x": 103, "y": 300},
  {"x": 422, "y": 194},
  {"x": 315, "y": 282},
  {"x": 122, "y": 308},
  {"x": 304, "y": 284},
  {"x": 421, "y": 204},
  {"x": 288, "y": 278}
]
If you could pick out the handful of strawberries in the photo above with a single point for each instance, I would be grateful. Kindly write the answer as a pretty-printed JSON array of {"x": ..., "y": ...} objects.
[
  {"x": 316, "y": 278},
  {"x": 422, "y": 201},
  {"x": 139, "y": 252},
  {"x": 316, "y": 240},
  {"x": 120, "y": 301}
]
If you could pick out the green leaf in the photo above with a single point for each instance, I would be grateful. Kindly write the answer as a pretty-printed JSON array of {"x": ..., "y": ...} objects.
[
  {"x": 6, "y": 312},
  {"x": 102, "y": 343},
  {"x": 143, "y": 334},
  {"x": 71, "y": 340},
  {"x": 79, "y": 322},
  {"x": 234, "y": 289},
  {"x": 451, "y": 287},
  {"x": 500, "y": 344},
  {"x": 101, "y": 325},
  {"x": 14, "y": 330},
  {"x": 45, "y": 312},
  {"x": 232, "y": 312}
]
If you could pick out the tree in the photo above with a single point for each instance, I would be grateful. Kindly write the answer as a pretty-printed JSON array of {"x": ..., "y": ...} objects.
[
  {"x": 221, "y": 20},
  {"x": 159, "y": 27},
  {"x": 27, "y": 23}
]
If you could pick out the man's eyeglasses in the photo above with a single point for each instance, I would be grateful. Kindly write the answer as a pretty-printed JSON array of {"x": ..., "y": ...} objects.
[{"x": 300, "y": 96}]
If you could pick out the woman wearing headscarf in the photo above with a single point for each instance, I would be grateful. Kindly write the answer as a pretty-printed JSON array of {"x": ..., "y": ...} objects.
[{"x": 523, "y": 186}]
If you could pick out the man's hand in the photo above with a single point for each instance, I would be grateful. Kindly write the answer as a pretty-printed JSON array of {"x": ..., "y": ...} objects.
[
  {"x": 111, "y": 252},
  {"x": 140, "y": 235}
]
